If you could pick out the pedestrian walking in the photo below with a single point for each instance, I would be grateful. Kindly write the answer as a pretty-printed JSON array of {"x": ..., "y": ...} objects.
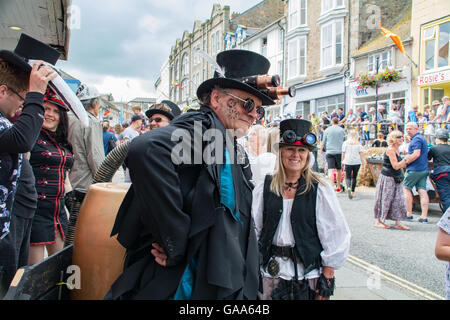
[
  {"x": 51, "y": 158},
  {"x": 440, "y": 154},
  {"x": 389, "y": 198},
  {"x": 333, "y": 138},
  {"x": 303, "y": 235},
  {"x": 352, "y": 154},
  {"x": 417, "y": 171}
]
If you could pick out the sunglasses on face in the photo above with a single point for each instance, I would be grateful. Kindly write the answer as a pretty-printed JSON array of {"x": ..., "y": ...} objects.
[
  {"x": 13, "y": 91},
  {"x": 399, "y": 137},
  {"x": 248, "y": 105},
  {"x": 156, "y": 119}
]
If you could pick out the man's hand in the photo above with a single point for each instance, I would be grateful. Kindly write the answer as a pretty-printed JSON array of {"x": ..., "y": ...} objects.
[
  {"x": 159, "y": 254},
  {"x": 40, "y": 76}
]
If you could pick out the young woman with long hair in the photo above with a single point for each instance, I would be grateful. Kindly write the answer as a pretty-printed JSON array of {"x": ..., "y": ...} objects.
[{"x": 51, "y": 158}]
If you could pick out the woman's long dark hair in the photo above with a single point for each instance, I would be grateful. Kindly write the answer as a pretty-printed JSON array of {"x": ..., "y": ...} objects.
[{"x": 62, "y": 131}]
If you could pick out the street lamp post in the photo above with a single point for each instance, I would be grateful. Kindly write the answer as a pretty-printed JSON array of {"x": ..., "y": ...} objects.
[{"x": 376, "y": 98}]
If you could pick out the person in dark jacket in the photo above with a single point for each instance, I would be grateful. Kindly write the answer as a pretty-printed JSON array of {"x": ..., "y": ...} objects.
[
  {"x": 303, "y": 235},
  {"x": 186, "y": 220},
  {"x": 51, "y": 158},
  {"x": 440, "y": 154},
  {"x": 20, "y": 85}
]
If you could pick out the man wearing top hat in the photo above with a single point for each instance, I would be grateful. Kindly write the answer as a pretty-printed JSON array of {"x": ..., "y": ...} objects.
[
  {"x": 161, "y": 114},
  {"x": 20, "y": 84},
  {"x": 186, "y": 224}
]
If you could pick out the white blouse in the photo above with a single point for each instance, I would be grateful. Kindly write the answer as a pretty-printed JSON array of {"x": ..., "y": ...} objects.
[{"x": 333, "y": 231}]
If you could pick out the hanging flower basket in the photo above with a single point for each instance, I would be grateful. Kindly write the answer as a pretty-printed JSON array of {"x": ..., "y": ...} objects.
[{"x": 365, "y": 80}]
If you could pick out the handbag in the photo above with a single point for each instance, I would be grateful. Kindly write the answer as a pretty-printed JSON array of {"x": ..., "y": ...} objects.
[
  {"x": 111, "y": 144},
  {"x": 398, "y": 179}
]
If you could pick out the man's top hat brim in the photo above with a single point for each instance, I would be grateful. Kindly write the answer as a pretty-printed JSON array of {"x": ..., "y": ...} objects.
[
  {"x": 227, "y": 83},
  {"x": 29, "y": 48}
]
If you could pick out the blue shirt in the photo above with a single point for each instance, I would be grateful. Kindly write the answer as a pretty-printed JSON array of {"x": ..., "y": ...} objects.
[
  {"x": 421, "y": 163},
  {"x": 106, "y": 137},
  {"x": 412, "y": 116}
]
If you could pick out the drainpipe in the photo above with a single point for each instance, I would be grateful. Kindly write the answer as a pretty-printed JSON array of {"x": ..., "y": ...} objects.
[{"x": 282, "y": 65}]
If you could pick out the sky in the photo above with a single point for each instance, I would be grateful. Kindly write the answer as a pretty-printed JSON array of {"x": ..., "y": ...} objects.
[{"x": 120, "y": 46}]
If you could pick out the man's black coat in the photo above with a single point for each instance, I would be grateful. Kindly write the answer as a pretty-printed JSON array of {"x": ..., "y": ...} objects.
[{"x": 178, "y": 206}]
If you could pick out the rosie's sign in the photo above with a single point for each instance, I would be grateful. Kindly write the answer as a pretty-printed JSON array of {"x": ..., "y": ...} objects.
[{"x": 433, "y": 78}]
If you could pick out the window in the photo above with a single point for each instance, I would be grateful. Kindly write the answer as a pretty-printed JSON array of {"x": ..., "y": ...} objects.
[
  {"x": 297, "y": 57},
  {"x": 327, "y": 5},
  {"x": 384, "y": 60},
  {"x": 185, "y": 65},
  {"x": 297, "y": 13},
  {"x": 196, "y": 55},
  {"x": 213, "y": 43},
  {"x": 185, "y": 90},
  {"x": 329, "y": 104},
  {"x": 218, "y": 42},
  {"x": 435, "y": 45},
  {"x": 176, "y": 71},
  {"x": 264, "y": 47},
  {"x": 327, "y": 46}
]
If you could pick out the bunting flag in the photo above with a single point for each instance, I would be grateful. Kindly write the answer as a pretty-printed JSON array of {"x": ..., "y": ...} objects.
[
  {"x": 178, "y": 85},
  {"x": 107, "y": 113},
  {"x": 389, "y": 34}
]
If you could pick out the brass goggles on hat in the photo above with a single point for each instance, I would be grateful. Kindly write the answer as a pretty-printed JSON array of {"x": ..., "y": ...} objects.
[{"x": 290, "y": 137}]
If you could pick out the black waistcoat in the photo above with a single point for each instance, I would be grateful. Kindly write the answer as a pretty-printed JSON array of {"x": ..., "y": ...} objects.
[{"x": 303, "y": 221}]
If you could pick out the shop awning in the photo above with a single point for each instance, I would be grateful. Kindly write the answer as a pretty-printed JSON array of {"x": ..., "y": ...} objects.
[{"x": 45, "y": 20}]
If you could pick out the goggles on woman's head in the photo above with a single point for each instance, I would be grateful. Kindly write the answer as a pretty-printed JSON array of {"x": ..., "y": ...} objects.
[{"x": 290, "y": 137}]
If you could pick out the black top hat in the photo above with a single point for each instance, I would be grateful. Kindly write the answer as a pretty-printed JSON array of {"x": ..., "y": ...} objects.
[
  {"x": 29, "y": 48},
  {"x": 238, "y": 64},
  {"x": 166, "y": 107},
  {"x": 297, "y": 132}
]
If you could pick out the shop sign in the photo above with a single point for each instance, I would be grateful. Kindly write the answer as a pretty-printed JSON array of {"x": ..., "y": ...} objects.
[
  {"x": 433, "y": 78},
  {"x": 361, "y": 92}
]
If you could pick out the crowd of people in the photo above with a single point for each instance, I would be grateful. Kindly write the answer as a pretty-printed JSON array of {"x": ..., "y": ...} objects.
[{"x": 267, "y": 226}]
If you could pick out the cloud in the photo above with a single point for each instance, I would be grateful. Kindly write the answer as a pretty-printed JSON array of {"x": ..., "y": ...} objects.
[{"x": 130, "y": 40}]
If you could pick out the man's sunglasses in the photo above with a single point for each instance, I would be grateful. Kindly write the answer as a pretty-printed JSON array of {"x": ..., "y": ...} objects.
[
  {"x": 156, "y": 119},
  {"x": 249, "y": 105},
  {"x": 13, "y": 91}
]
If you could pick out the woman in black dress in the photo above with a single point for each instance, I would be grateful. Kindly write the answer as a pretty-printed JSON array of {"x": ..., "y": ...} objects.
[{"x": 51, "y": 158}]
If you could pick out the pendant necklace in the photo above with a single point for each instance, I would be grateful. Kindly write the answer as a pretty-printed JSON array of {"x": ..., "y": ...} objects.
[{"x": 290, "y": 185}]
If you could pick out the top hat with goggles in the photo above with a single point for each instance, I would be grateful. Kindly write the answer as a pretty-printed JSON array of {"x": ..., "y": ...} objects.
[
  {"x": 247, "y": 71},
  {"x": 297, "y": 132}
]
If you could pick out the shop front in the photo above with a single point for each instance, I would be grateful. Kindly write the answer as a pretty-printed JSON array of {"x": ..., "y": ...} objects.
[
  {"x": 319, "y": 96},
  {"x": 433, "y": 86},
  {"x": 391, "y": 92}
]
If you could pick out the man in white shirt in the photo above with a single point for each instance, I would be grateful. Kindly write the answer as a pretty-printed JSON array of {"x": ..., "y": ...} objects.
[{"x": 133, "y": 129}]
